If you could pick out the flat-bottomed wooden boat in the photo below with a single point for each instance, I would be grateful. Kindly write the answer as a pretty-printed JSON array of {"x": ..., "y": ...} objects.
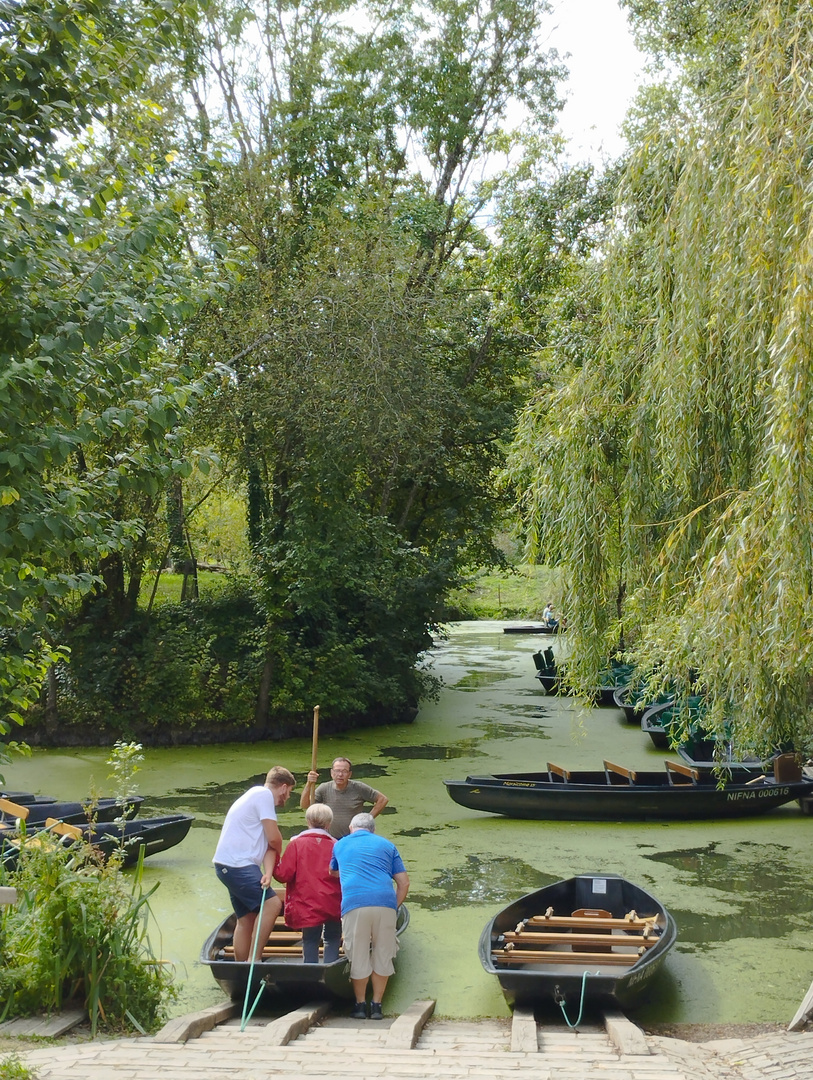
[
  {"x": 75, "y": 813},
  {"x": 679, "y": 793},
  {"x": 281, "y": 967},
  {"x": 153, "y": 835},
  {"x": 595, "y": 939}
]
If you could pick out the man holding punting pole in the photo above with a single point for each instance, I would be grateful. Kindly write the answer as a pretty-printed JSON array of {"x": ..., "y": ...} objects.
[
  {"x": 345, "y": 797},
  {"x": 247, "y": 852}
]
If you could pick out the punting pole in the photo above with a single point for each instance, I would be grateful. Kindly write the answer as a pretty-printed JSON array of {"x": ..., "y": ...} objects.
[
  {"x": 315, "y": 743},
  {"x": 245, "y": 1018}
]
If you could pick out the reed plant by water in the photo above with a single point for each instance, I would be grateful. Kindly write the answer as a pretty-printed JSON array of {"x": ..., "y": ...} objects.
[{"x": 79, "y": 934}]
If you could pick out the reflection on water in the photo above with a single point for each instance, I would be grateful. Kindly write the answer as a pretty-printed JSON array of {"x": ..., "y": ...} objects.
[
  {"x": 494, "y": 729},
  {"x": 482, "y": 881},
  {"x": 534, "y": 710},
  {"x": 419, "y": 831},
  {"x": 476, "y": 680}
]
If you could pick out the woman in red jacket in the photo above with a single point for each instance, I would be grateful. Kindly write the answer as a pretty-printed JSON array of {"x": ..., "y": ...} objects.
[{"x": 313, "y": 899}]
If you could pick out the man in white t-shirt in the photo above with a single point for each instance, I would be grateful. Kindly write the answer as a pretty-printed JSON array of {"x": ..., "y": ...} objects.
[{"x": 248, "y": 849}]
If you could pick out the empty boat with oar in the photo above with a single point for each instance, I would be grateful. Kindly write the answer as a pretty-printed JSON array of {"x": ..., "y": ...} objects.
[{"x": 591, "y": 939}]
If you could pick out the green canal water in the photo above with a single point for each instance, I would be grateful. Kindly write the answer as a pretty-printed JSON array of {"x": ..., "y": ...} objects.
[{"x": 741, "y": 892}]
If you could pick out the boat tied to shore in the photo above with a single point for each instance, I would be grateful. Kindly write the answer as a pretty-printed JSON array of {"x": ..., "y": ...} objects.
[
  {"x": 590, "y": 939},
  {"x": 130, "y": 838},
  {"x": 281, "y": 966}
]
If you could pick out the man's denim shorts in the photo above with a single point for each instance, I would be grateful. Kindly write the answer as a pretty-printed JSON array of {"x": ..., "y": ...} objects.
[{"x": 245, "y": 890}]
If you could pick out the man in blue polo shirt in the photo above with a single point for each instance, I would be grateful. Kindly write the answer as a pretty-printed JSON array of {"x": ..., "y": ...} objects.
[{"x": 367, "y": 866}]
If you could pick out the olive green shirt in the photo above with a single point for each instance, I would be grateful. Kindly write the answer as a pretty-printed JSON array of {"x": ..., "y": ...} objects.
[{"x": 345, "y": 804}]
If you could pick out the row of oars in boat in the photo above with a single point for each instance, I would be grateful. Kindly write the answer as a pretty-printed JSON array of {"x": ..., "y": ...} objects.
[{"x": 567, "y": 935}]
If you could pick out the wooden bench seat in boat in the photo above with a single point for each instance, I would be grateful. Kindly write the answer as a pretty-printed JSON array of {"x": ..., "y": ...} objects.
[
  {"x": 631, "y": 921},
  {"x": 549, "y": 956},
  {"x": 681, "y": 774},
  {"x": 555, "y": 771},
  {"x": 294, "y": 949},
  {"x": 645, "y": 940},
  {"x": 62, "y": 828},
  {"x": 611, "y": 771},
  {"x": 12, "y": 810},
  {"x": 632, "y": 933}
]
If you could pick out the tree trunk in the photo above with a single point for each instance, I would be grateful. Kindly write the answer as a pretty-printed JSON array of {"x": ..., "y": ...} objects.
[{"x": 261, "y": 709}]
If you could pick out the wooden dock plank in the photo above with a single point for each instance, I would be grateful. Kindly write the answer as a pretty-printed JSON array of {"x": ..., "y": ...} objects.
[{"x": 47, "y": 1027}]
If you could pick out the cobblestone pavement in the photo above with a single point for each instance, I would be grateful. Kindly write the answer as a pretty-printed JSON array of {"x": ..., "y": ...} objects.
[{"x": 447, "y": 1050}]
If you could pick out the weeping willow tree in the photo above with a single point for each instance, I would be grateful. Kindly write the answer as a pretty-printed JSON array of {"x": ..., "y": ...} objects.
[{"x": 670, "y": 470}]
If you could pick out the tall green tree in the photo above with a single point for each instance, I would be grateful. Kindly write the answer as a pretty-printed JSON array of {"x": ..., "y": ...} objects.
[
  {"x": 372, "y": 392},
  {"x": 93, "y": 280},
  {"x": 698, "y": 400}
]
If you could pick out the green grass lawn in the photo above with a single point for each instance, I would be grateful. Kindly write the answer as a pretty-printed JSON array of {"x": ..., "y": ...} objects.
[
  {"x": 518, "y": 594},
  {"x": 169, "y": 587}
]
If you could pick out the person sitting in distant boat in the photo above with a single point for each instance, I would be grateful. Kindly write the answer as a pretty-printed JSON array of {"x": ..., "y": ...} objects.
[
  {"x": 313, "y": 897},
  {"x": 549, "y": 617}
]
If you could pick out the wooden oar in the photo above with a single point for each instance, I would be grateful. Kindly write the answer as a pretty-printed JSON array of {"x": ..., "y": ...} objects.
[{"x": 315, "y": 743}]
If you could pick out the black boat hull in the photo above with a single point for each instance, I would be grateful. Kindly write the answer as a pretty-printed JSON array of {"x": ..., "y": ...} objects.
[
  {"x": 551, "y": 984},
  {"x": 292, "y": 977},
  {"x": 153, "y": 835},
  {"x": 75, "y": 813},
  {"x": 588, "y": 797}
]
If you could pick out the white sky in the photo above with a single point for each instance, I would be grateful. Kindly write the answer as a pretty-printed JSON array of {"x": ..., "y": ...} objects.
[{"x": 605, "y": 69}]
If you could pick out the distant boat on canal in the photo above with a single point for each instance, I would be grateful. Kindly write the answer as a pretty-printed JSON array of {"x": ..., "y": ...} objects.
[{"x": 680, "y": 793}]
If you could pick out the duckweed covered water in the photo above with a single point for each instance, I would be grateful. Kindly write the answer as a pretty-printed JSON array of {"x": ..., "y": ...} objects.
[{"x": 741, "y": 892}]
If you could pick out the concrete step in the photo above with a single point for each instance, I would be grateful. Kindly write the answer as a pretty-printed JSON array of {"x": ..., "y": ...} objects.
[{"x": 325, "y": 1045}]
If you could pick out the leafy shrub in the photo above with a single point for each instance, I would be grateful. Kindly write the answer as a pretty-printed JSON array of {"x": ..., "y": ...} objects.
[
  {"x": 183, "y": 665},
  {"x": 12, "y": 1068},
  {"x": 79, "y": 932}
]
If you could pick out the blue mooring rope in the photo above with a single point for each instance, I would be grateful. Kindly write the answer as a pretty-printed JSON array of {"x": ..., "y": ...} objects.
[
  {"x": 561, "y": 1003},
  {"x": 245, "y": 1018}
]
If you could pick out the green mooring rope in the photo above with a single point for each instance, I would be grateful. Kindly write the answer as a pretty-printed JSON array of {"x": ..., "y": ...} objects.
[
  {"x": 245, "y": 1018},
  {"x": 562, "y": 1004}
]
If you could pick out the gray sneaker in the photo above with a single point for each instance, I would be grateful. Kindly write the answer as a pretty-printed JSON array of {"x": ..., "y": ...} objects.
[
  {"x": 375, "y": 1011},
  {"x": 360, "y": 1011}
]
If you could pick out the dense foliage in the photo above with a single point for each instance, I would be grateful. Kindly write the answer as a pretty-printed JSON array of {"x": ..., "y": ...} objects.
[
  {"x": 94, "y": 276},
  {"x": 372, "y": 391},
  {"x": 676, "y": 471},
  {"x": 331, "y": 163},
  {"x": 79, "y": 932}
]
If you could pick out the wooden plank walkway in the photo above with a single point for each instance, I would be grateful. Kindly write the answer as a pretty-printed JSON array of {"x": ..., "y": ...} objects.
[{"x": 295, "y": 1048}]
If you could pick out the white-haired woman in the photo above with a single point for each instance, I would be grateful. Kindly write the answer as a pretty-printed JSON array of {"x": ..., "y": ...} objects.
[{"x": 313, "y": 898}]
